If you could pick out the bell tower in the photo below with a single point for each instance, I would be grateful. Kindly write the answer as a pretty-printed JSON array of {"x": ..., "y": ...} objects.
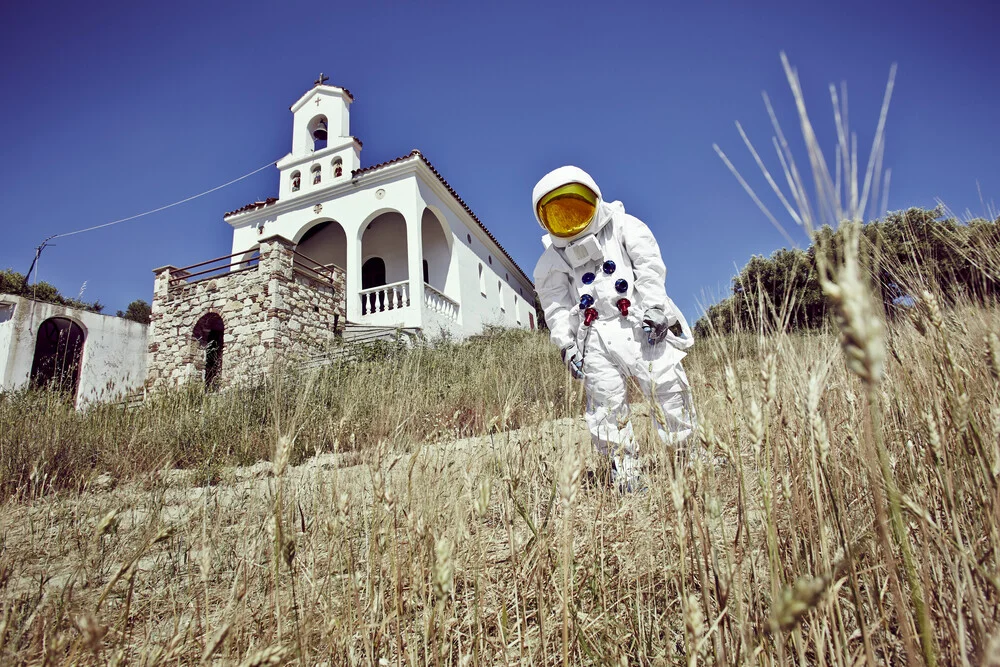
[
  {"x": 323, "y": 150},
  {"x": 322, "y": 117}
]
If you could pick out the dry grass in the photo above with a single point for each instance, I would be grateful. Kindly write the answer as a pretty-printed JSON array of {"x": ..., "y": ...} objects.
[{"x": 509, "y": 548}]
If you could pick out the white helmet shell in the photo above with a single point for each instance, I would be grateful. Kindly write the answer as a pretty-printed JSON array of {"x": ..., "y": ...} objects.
[{"x": 564, "y": 176}]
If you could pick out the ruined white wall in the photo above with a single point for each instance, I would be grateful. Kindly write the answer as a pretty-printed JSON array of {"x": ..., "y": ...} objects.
[{"x": 114, "y": 351}]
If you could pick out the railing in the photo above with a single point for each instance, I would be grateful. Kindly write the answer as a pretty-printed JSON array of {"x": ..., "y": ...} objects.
[
  {"x": 439, "y": 303},
  {"x": 385, "y": 297},
  {"x": 217, "y": 268},
  {"x": 310, "y": 268}
]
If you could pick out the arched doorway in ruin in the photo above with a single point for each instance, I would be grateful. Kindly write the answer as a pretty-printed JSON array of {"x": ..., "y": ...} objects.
[
  {"x": 58, "y": 356},
  {"x": 209, "y": 332}
]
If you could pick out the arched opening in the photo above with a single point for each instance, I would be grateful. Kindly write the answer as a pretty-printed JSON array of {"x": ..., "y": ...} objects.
[
  {"x": 373, "y": 273},
  {"x": 385, "y": 237},
  {"x": 325, "y": 243},
  {"x": 318, "y": 132},
  {"x": 338, "y": 167},
  {"x": 209, "y": 332},
  {"x": 317, "y": 174},
  {"x": 436, "y": 241},
  {"x": 482, "y": 281},
  {"x": 296, "y": 181},
  {"x": 385, "y": 272},
  {"x": 58, "y": 356}
]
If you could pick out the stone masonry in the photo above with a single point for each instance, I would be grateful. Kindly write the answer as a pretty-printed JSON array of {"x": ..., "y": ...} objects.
[{"x": 270, "y": 311}]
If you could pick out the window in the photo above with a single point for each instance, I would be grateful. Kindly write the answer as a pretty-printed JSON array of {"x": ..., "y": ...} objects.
[
  {"x": 296, "y": 181},
  {"x": 469, "y": 237},
  {"x": 517, "y": 311},
  {"x": 491, "y": 259},
  {"x": 427, "y": 273},
  {"x": 482, "y": 281},
  {"x": 317, "y": 174},
  {"x": 500, "y": 296},
  {"x": 338, "y": 167},
  {"x": 531, "y": 321}
]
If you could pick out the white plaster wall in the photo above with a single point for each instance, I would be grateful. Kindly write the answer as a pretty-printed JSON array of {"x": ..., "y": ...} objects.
[
  {"x": 471, "y": 249},
  {"x": 114, "y": 351},
  {"x": 340, "y": 147},
  {"x": 6, "y": 333}
]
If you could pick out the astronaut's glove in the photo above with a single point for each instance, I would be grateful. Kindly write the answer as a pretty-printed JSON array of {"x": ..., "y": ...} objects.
[
  {"x": 655, "y": 324},
  {"x": 573, "y": 359}
]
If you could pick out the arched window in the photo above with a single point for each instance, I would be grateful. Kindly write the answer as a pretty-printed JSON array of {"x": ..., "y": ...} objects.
[
  {"x": 482, "y": 281},
  {"x": 209, "y": 332},
  {"x": 338, "y": 167},
  {"x": 316, "y": 174},
  {"x": 296, "y": 181},
  {"x": 58, "y": 356},
  {"x": 318, "y": 132}
]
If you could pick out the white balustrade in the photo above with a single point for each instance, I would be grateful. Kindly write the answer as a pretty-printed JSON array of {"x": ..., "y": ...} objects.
[
  {"x": 385, "y": 297},
  {"x": 439, "y": 303}
]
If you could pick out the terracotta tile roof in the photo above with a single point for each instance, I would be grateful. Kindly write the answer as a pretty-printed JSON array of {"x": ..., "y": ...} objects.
[
  {"x": 252, "y": 206},
  {"x": 418, "y": 154}
]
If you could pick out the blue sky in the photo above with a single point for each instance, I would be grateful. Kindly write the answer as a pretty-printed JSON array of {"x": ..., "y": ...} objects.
[{"x": 111, "y": 109}]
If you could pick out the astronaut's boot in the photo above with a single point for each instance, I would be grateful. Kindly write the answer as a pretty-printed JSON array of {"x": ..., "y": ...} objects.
[
  {"x": 626, "y": 473},
  {"x": 690, "y": 452}
]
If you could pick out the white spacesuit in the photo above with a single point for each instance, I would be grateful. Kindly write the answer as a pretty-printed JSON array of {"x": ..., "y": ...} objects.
[{"x": 600, "y": 281}]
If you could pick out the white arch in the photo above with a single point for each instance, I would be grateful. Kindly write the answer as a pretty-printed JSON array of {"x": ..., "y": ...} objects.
[
  {"x": 436, "y": 248},
  {"x": 301, "y": 231}
]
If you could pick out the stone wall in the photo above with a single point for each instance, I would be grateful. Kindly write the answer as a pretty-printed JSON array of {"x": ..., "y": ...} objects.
[{"x": 272, "y": 310}]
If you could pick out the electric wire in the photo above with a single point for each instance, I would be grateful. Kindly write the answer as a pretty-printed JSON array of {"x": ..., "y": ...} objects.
[
  {"x": 43, "y": 244},
  {"x": 163, "y": 208}
]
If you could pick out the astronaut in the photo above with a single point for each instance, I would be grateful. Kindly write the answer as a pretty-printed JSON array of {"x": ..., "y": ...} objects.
[{"x": 600, "y": 281}]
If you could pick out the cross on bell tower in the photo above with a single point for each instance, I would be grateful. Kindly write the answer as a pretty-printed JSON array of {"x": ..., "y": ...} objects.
[{"x": 321, "y": 125}]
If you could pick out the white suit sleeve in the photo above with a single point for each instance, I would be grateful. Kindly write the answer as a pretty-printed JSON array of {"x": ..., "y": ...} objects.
[
  {"x": 647, "y": 264},
  {"x": 555, "y": 294}
]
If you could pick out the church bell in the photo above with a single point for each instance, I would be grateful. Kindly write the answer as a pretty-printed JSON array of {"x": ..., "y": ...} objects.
[{"x": 319, "y": 134}]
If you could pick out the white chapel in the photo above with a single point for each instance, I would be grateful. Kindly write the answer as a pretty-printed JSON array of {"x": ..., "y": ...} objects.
[
  {"x": 412, "y": 251},
  {"x": 343, "y": 249}
]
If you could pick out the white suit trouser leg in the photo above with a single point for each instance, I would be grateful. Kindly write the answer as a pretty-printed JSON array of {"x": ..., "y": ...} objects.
[{"x": 658, "y": 376}]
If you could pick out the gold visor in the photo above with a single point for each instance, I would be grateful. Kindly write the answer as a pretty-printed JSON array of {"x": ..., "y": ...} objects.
[{"x": 567, "y": 210}]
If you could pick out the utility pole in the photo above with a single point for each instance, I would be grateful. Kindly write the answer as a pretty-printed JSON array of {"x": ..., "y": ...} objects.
[{"x": 38, "y": 253}]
